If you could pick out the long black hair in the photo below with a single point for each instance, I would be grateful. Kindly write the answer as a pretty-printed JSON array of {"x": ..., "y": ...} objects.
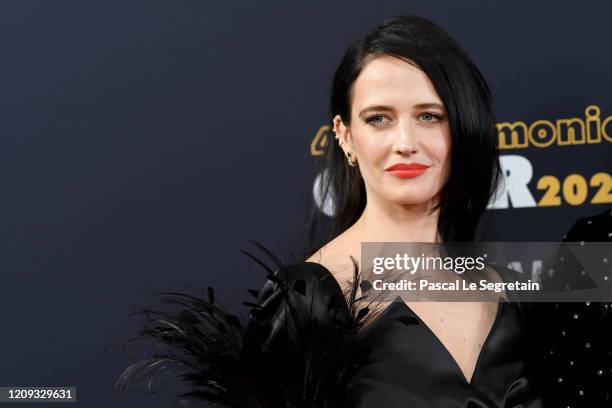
[{"x": 474, "y": 159}]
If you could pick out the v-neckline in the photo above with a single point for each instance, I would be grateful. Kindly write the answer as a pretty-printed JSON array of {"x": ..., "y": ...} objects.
[
  {"x": 445, "y": 350},
  {"x": 450, "y": 357}
]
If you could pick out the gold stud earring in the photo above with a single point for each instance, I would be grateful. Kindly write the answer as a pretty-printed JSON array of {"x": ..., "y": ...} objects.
[{"x": 349, "y": 156}]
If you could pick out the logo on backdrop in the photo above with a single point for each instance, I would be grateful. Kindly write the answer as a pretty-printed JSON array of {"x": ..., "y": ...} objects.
[{"x": 519, "y": 189}]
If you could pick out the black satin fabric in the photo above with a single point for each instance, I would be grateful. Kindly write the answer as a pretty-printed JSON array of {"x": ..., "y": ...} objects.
[{"x": 407, "y": 366}]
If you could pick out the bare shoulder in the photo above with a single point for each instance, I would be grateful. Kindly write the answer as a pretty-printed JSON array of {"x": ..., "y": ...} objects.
[{"x": 336, "y": 255}]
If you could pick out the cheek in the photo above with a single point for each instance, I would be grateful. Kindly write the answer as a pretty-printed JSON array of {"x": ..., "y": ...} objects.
[
  {"x": 369, "y": 149},
  {"x": 441, "y": 149},
  {"x": 444, "y": 154}
]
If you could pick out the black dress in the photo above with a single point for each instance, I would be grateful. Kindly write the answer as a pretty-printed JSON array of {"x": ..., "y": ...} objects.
[
  {"x": 306, "y": 348},
  {"x": 407, "y": 366},
  {"x": 404, "y": 364},
  {"x": 306, "y": 344}
]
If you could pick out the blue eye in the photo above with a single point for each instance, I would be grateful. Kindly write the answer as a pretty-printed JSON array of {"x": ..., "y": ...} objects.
[
  {"x": 429, "y": 117},
  {"x": 375, "y": 120}
]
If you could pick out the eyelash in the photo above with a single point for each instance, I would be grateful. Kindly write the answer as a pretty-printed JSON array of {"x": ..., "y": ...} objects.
[{"x": 370, "y": 119}]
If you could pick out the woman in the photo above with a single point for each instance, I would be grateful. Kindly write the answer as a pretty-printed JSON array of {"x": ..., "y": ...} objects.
[
  {"x": 415, "y": 161},
  {"x": 413, "y": 117}
]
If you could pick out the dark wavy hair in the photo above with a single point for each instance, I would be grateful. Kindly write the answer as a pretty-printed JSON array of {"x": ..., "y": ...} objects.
[{"x": 474, "y": 158}]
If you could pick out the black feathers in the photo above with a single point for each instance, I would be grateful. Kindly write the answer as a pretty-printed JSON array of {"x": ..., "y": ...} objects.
[{"x": 301, "y": 342}]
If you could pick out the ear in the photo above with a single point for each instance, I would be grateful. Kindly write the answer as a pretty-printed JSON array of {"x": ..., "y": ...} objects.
[{"x": 342, "y": 133}]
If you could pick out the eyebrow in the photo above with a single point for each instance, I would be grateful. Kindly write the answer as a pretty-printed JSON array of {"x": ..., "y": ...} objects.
[{"x": 425, "y": 105}]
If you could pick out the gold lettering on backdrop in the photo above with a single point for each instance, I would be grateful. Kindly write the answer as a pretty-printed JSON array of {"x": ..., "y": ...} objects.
[
  {"x": 562, "y": 132},
  {"x": 512, "y": 135},
  {"x": 570, "y": 131},
  {"x": 319, "y": 142}
]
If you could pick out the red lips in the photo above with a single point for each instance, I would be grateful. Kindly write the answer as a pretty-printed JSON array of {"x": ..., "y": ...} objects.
[
  {"x": 405, "y": 166},
  {"x": 407, "y": 170}
]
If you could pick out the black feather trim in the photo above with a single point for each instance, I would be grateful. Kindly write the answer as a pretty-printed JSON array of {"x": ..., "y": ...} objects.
[{"x": 298, "y": 349}]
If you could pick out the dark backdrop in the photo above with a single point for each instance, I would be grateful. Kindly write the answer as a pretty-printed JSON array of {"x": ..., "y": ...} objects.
[{"x": 144, "y": 142}]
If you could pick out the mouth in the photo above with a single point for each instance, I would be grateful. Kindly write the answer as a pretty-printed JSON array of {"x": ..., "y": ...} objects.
[{"x": 411, "y": 170}]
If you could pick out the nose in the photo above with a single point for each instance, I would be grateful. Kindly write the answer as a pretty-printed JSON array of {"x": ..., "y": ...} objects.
[{"x": 405, "y": 141}]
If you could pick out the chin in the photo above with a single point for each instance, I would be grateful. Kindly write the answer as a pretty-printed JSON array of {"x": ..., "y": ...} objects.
[{"x": 412, "y": 200}]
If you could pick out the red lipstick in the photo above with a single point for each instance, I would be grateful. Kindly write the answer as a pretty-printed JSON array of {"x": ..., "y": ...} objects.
[{"x": 404, "y": 170}]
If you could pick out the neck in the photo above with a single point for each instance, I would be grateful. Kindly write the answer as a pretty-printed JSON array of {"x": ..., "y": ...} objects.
[{"x": 389, "y": 222}]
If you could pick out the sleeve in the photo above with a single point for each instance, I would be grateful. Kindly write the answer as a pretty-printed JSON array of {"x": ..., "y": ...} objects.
[{"x": 296, "y": 349}]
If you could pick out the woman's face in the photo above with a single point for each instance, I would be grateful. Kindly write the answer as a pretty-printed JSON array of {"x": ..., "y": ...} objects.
[{"x": 397, "y": 118}]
